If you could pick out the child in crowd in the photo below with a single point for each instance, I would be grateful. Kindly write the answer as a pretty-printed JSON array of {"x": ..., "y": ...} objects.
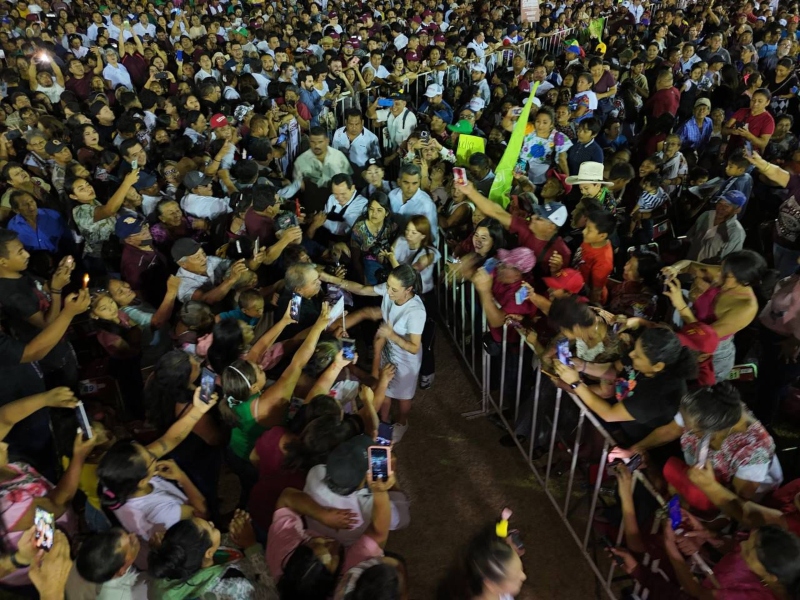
[
  {"x": 595, "y": 257},
  {"x": 584, "y": 102},
  {"x": 250, "y": 308},
  {"x": 651, "y": 198},
  {"x": 738, "y": 177}
]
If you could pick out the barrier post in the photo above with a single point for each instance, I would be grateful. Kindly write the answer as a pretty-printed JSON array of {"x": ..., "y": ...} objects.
[
  {"x": 504, "y": 350},
  {"x": 574, "y": 463},
  {"x": 535, "y": 417},
  {"x": 556, "y": 414},
  {"x": 519, "y": 376}
]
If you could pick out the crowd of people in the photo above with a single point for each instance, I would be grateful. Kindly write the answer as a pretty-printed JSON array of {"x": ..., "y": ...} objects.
[{"x": 248, "y": 209}]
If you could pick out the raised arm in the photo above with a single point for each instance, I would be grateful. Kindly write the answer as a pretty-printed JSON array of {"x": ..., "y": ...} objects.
[
  {"x": 181, "y": 428},
  {"x": 486, "y": 206},
  {"x": 110, "y": 208},
  {"x": 52, "y": 333}
]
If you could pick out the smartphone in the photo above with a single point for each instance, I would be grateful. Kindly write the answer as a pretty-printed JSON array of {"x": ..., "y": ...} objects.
[
  {"x": 385, "y": 434},
  {"x": 207, "y": 381},
  {"x": 256, "y": 246},
  {"x": 490, "y": 265},
  {"x": 379, "y": 466},
  {"x": 83, "y": 421},
  {"x": 607, "y": 543},
  {"x": 425, "y": 137},
  {"x": 348, "y": 348},
  {"x": 702, "y": 452},
  {"x": 385, "y": 103},
  {"x": 13, "y": 134},
  {"x": 634, "y": 462},
  {"x": 516, "y": 541},
  {"x": 134, "y": 164},
  {"x": 294, "y": 311},
  {"x": 521, "y": 294},
  {"x": 521, "y": 168},
  {"x": 179, "y": 55},
  {"x": 459, "y": 176},
  {"x": 563, "y": 351},
  {"x": 674, "y": 512},
  {"x": 162, "y": 75},
  {"x": 516, "y": 111},
  {"x": 615, "y": 328},
  {"x": 281, "y": 138},
  {"x": 45, "y": 523}
]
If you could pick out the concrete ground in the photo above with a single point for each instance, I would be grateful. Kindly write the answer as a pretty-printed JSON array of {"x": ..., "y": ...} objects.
[{"x": 458, "y": 478}]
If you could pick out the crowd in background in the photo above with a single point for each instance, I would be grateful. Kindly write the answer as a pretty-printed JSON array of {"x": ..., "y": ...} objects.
[{"x": 224, "y": 229}]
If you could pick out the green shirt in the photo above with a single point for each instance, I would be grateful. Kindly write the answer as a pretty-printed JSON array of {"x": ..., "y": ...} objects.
[{"x": 247, "y": 432}]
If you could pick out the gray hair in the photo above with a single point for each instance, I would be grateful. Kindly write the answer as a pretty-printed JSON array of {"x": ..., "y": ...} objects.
[
  {"x": 714, "y": 408},
  {"x": 32, "y": 134},
  {"x": 410, "y": 169},
  {"x": 297, "y": 275}
]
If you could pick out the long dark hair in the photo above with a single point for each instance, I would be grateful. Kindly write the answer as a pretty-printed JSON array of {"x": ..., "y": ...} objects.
[
  {"x": 661, "y": 345},
  {"x": 496, "y": 232},
  {"x": 181, "y": 552},
  {"x": 779, "y": 551},
  {"x": 227, "y": 345},
  {"x": 485, "y": 558},
  {"x": 304, "y": 576},
  {"x": 316, "y": 441},
  {"x": 119, "y": 473},
  {"x": 167, "y": 385}
]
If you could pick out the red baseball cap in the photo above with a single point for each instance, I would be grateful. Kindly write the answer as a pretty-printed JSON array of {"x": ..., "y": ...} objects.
[
  {"x": 218, "y": 120},
  {"x": 569, "y": 280},
  {"x": 699, "y": 337}
]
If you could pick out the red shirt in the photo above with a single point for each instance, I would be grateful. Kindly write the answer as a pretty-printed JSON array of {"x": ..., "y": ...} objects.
[
  {"x": 758, "y": 125},
  {"x": 663, "y": 101},
  {"x": 259, "y": 226},
  {"x": 80, "y": 87},
  {"x": 525, "y": 237},
  {"x": 504, "y": 294},
  {"x": 595, "y": 264}
]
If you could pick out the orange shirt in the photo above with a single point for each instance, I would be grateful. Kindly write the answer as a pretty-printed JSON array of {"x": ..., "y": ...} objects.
[{"x": 595, "y": 264}]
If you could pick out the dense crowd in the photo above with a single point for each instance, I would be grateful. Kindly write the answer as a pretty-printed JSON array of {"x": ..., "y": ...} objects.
[{"x": 225, "y": 225}]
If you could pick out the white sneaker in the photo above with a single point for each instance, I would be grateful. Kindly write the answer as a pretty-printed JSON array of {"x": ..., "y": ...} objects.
[
  {"x": 426, "y": 381},
  {"x": 399, "y": 432}
]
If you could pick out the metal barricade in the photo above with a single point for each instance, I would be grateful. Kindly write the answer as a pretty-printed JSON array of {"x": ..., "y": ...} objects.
[
  {"x": 461, "y": 313},
  {"x": 553, "y": 43}
]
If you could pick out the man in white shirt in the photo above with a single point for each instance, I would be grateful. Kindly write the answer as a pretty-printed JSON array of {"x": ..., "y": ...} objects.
[
  {"x": 400, "y": 121},
  {"x": 203, "y": 277},
  {"x": 355, "y": 140},
  {"x": 316, "y": 167},
  {"x": 479, "y": 81},
  {"x": 409, "y": 200},
  {"x": 344, "y": 206},
  {"x": 374, "y": 65},
  {"x": 144, "y": 27},
  {"x": 480, "y": 46},
  {"x": 97, "y": 21},
  {"x": 400, "y": 40},
  {"x": 198, "y": 200},
  {"x": 340, "y": 483},
  {"x": 636, "y": 9}
]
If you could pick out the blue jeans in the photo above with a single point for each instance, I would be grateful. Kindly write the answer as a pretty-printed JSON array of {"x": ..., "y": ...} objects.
[{"x": 785, "y": 260}]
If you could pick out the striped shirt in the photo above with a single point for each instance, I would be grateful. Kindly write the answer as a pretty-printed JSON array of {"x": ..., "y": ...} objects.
[{"x": 649, "y": 202}]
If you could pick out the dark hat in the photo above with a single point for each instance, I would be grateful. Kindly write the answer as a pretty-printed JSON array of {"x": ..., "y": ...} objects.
[
  {"x": 399, "y": 96},
  {"x": 55, "y": 146},
  {"x": 195, "y": 179},
  {"x": 284, "y": 220},
  {"x": 145, "y": 181},
  {"x": 347, "y": 465},
  {"x": 373, "y": 162},
  {"x": 128, "y": 225},
  {"x": 716, "y": 59},
  {"x": 184, "y": 247}
]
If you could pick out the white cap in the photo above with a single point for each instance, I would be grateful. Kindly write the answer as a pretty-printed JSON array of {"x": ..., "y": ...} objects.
[
  {"x": 481, "y": 68},
  {"x": 434, "y": 89},
  {"x": 477, "y": 104}
]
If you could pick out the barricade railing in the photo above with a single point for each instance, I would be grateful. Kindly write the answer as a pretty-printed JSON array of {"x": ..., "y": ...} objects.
[
  {"x": 553, "y": 420},
  {"x": 553, "y": 43}
]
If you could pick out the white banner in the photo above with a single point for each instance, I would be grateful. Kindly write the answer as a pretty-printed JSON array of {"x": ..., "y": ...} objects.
[{"x": 529, "y": 9}]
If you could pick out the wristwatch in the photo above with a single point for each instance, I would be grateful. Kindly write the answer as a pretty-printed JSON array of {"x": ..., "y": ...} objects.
[{"x": 574, "y": 386}]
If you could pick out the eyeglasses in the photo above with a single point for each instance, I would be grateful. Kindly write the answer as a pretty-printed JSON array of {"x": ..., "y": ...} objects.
[{"x": 170, "y": 172}]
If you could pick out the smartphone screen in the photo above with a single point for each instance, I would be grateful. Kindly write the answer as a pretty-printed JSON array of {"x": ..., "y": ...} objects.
[
  {"x": 134, "y": 164},
  {"x": 256, "y": 246},
  {"x": 521, "y": 295},
  {"x": 348, "y": 348},
  {"x": 563, "y": 351},
  {"x": 45, "y": 523},
  {"x": 634, "y": 462},
  {"x": 207, "y": 381},
  {"x": 294, "y": 311},
  {"x": 179, "y": 55},
  {"x": 379, "y": 463},
  {"x": 385, "y": 103},
  {"x": 459, "y": 176},
  {"x": 674, "y": 511},
  {"x": 385, "y": 434},
  {"x": 83, "y": 421}
]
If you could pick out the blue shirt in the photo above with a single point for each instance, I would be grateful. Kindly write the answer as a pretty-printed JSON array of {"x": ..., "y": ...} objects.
[
  {"x": 50, "y": 229},
  {"x": 314, "y": 103},
  {"x": 444, "y": 111},
  {"x": 581, "y": 153},
  {"x": 694, "y": 137},
  {"x": 238, "y": 314}
]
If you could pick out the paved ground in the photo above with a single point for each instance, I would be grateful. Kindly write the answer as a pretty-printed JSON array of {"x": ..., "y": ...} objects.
[{"x": 458, "y": 478}]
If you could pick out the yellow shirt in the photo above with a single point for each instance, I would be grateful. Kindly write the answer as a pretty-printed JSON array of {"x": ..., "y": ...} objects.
[{"x": 88, "y": 482}]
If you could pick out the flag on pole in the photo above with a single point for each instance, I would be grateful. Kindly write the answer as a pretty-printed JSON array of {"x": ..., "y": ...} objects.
[{"x": 504, "y": 174}]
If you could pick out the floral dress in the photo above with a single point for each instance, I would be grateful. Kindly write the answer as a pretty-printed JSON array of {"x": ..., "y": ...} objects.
[
  {"x": 542, "y": 153},
  {"x": 370, "y": 245},
  {"x": 93, "y": 232}
]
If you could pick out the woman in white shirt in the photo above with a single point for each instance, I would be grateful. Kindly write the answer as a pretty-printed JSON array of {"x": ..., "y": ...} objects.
[
  {"x": 399, "y": 338},
  {"x": 115, "y": 72}
]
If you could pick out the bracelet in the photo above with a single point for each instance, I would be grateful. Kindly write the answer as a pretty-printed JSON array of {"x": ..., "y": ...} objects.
[
  {"x": 16, "y": 563},
  {"x": 58, "y": 291},
  {"x": 685, "y": 306},
  {"x": 575, "y": 386}
]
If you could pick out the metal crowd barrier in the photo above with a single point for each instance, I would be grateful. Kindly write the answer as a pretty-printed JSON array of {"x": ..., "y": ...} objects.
[{"x": 575, "y": 499}]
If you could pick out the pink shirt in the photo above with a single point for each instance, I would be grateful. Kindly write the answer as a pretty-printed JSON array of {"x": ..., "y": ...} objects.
[{"x": 287, "y": 532}]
